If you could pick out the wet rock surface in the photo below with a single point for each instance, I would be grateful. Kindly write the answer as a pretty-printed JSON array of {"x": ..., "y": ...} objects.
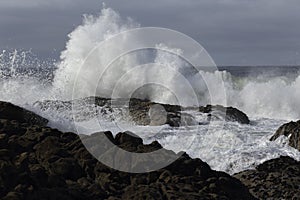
[
  {"x": 144, "y": 112},
  {"x": 37, "y": 162},
  {"x": 228, "y": 113},
  {"x": 12, "y": 112},
  {"x": 275, "y": 179},
  {"x": 291, "y": 130}
]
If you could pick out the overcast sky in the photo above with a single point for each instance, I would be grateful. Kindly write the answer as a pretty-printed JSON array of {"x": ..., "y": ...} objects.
[{"x": 234, "y": 32}]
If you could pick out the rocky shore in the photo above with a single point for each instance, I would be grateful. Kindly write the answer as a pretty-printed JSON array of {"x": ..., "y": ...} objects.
[
  {"x": 37, "y": 162},
  {"x": 274, "y": 179},
  {"x": 145, "y": 112}
]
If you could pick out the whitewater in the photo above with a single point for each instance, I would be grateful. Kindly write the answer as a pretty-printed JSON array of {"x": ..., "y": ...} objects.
[{"x": 268, "y": 100}]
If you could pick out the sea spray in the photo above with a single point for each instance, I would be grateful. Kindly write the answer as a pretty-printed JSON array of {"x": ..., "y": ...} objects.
[
  {"x": 82, "y": 40},
  {"x": 75, "y": 67},
  {"x": 237, "y": 147},
  {"x": 269, "y": 97}
]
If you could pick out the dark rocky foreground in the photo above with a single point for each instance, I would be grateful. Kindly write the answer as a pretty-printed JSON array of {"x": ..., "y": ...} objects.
[
  {"x": 11, "y": 112},
  {"x": 291, "y": 130},
  {"x": 278, "y": 178},
  {"x": 274, "y": 179},
  {"x": 38, "y": 162}
]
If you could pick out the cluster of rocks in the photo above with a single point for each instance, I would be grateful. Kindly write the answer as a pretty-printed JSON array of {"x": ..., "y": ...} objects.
[
  {"x": 278, "y": 178},
  {"x": 37, "y": 162},
  {"x": 145, "y": 112},
  {"x": 274, "y": 179}
]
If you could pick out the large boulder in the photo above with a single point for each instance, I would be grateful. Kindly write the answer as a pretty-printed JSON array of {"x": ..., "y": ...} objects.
[
  {"x": 275, "y": 179},
  {"x": 225, "y": 113},
  {"x": 290, "y": 130},
  {"x": 38, "y": 162}
]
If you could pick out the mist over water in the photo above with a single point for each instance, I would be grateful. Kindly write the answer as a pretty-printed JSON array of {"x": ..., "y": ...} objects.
[
  {"x": 267, "y": 100},
  {"x": 270, "y": 97}
]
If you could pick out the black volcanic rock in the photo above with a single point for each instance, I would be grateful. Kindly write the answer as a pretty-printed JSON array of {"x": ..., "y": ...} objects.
[
  {"x": 275, "y": 179},
  {"x": 12, "y": 112},
  {"x": 38, "y": 162},
  {"x": 291, "y": 130}
]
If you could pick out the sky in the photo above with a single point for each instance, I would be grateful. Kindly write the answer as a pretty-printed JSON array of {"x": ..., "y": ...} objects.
[{"x": 234, "y": 32}]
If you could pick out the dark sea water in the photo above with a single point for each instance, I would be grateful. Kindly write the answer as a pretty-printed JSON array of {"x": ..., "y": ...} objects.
[{"x": 265, "y": 71}]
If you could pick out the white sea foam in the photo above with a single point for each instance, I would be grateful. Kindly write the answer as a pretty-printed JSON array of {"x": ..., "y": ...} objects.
[
  {"x": 276, "y": 97},
  {"x": 232, "y": 148}
]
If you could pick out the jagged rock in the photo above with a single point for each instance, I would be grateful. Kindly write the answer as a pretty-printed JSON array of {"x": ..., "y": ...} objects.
[
  {"x": 275, "y": 179},
  {"x": 229, "y": 113},
  {"x": 12, "y": 112},
  {"x": 291, "y": 130},
  {"x": 128, "y": 137},
  {"x": 57, "y": 165}
]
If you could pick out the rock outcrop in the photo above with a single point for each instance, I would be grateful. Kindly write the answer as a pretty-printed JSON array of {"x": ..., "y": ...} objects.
[
  {"x": 37, "y": 162},
  {"x": 229, "y": 113},
  {"x": 275, "y": 179},
  {"x": 291, "y": 130},
  {"x": 144, "y": 112},
  {"x": 12, "y": 112},
  {"x": 140, "y": 111}
]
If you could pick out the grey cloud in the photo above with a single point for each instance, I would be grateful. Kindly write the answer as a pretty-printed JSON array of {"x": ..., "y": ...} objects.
[{"x": 235, "y": 32}]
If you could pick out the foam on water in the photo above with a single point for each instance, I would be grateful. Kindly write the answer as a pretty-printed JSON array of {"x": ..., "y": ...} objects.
[
  {"x": 269, "y": 101},
  {"x": 269, "y": 97},
  {"x": 232, "y": 148}
]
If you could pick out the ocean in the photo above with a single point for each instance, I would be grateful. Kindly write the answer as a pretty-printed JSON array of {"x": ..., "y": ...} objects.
[{"x": 269, "y": 95}]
